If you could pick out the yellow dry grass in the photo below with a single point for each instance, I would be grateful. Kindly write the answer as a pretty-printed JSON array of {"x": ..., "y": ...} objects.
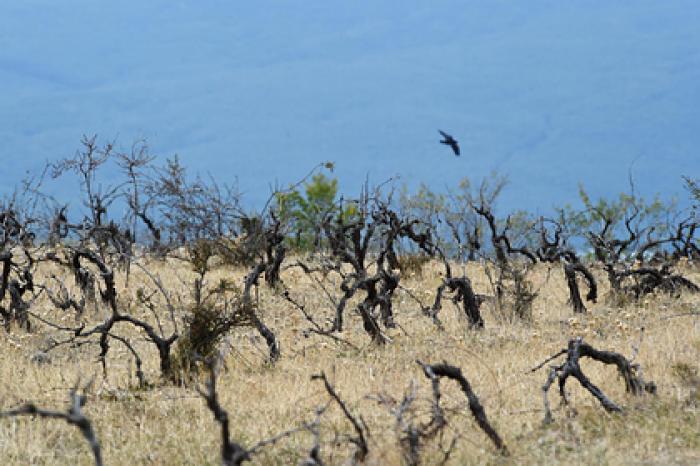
[{"x": 171, "y": 425}]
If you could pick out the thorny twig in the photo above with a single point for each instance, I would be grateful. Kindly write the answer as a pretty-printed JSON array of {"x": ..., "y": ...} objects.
[
  {"x": 233, "y": 453},
  {"x": 360, "y": 441},
  {"x": 73, "y": 416},
  {"x": 317, "y": 329}
]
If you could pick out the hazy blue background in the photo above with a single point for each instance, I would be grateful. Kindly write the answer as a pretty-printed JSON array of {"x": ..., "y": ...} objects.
[{"x": 551, "y": 93}]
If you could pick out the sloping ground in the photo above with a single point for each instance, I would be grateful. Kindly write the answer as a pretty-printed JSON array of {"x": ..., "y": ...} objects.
[{"x": 172, "y": 425}]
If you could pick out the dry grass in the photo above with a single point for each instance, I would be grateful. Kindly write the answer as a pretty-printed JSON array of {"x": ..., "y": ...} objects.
[{"x": 171, "y": 425}]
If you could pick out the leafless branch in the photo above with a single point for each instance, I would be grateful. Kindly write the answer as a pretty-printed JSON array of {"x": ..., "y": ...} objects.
[{"x": 73, "y": 416}]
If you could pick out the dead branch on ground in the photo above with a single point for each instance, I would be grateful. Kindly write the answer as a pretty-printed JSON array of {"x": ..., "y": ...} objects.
[
  {"x": 434, "y": 372},
  {"x": 631, "y": 374}
]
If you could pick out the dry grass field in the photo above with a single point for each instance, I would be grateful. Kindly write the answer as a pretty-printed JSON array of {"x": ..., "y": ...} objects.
[{"x": 166, "y": 424}]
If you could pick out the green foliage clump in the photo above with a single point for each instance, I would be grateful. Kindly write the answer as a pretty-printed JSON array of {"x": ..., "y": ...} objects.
[
  {"x": 693, "y": 187},
  {"x": 615, "y": 211},
  {"x": 305, "y": 213}
]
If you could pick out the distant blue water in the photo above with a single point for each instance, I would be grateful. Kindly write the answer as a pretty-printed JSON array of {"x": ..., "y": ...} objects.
[{"x": 550, "y": 93}]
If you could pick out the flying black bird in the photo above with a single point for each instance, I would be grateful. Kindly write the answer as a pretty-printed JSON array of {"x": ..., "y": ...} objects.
[{"x": 450, "y": 141}]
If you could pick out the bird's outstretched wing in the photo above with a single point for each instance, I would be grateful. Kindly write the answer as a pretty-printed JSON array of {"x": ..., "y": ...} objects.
[{"x": 449, "y": 141}]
